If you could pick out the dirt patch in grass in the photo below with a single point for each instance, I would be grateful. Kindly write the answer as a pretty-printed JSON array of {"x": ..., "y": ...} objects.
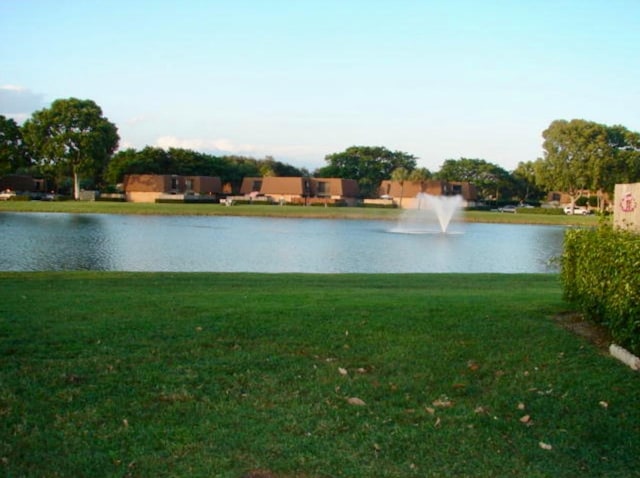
[{"x": 596, "y": 334}]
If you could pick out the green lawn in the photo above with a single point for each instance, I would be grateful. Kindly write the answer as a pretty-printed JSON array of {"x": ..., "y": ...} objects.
[
  {"x": 84, "y": 207},
  {"x": 215, "y": 375}
]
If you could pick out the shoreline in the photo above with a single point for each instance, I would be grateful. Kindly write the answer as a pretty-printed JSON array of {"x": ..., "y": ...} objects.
[{"x": 276, "y": 211}]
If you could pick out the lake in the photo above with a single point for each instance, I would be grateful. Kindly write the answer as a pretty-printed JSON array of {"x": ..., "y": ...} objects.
[{"x": 63, "y": 242}]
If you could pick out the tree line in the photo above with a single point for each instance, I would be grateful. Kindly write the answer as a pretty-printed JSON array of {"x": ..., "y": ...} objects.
[{"x": 72, "y": 144}]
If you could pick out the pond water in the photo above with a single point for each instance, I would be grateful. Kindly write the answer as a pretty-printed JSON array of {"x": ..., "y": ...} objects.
[{"x": 40, "y": 241}]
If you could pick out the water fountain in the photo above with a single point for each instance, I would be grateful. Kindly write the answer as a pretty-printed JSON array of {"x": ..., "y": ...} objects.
[{"x": 430, "y": 214}]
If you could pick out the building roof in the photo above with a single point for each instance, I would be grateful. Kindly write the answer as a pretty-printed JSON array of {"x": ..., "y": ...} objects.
[
  {"x": 162, "y": 183},
  {"x": 251, "y": 184},
  {"x": 300, "y": 186},
  {"x": 407, "y": 189},
  {"x": 282, "y": 185},
  {"x": 340, "y": 187},
  {"x": 410, "y": 189}
]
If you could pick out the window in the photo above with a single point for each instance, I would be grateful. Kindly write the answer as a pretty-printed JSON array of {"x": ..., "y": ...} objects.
[{"x": 324, "y": 189}]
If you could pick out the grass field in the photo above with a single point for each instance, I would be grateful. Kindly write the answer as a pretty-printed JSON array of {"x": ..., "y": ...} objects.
[
  {"x": 85, "y": 207},
  {"x": 222, "y": 375}
]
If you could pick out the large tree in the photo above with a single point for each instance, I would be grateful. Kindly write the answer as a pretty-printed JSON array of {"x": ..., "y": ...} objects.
[
  {"x": 369, "y": 165},
  {"x": 582, "y": 155},
  {"x": 14, "y": 155},
  {"x": 72, "y": 137},
  {"x": 492, "y": 181},
  {"x": 573, "y": 152},
  {"x": 624, "y": 155}
]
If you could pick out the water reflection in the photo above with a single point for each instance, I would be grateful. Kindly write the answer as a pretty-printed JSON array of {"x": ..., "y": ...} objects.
[{"x": 33, "y": 241}]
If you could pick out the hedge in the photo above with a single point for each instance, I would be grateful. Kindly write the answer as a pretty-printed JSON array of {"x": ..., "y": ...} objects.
[
  {"x": 18, "y": 197},
  {"x": 601, "y": 275},
  {"x": 547, "y": 211}
]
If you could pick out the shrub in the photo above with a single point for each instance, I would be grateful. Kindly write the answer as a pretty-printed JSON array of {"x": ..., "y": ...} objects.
[
  {"x": 378, "y": 206},
  {"x": 547, "y": 211},
  {"x": 111, "y": 199},
  {"x": 329, "y": 204},
  {"x": 169, "y": 201},
  {"x": 587, "y": 201},
  {"x": 188, "y": 200},
  {"x": 201, "y": 200},
  {"x": 19, "y": 197},
  {"x": 600, "y": 275}
]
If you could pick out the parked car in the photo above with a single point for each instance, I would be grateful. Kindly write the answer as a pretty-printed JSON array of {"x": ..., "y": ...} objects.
[
  {"x": 509, "y": 208},
  {"x": 6, "y": 195},
  {"x": 577, "y": 210}
]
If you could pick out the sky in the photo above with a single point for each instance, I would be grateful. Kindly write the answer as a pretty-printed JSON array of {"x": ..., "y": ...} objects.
[{"x": 301, "y": 79}]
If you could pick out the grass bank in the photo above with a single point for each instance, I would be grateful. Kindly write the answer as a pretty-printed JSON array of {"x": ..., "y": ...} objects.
[
  {"x": 85, "y": 207},
  {"x": 123, "y": 374}
]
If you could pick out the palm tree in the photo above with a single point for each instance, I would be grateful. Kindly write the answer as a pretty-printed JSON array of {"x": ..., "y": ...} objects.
[{"x": 400, "y": 175}]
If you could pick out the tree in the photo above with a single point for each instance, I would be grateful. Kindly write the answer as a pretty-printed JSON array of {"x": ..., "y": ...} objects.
[
  {"x": 73, "y": 138},
  {"x": 491, "y": 180},
  {"x": 420, "y": 174},
  {"x": 13, "y": 152},
  {"x": 574, "y": 152},
  {"x": 237, "y": 168},
  {"x": 270, "y": 167},
  {"x": 583, "y": 155},
  {"x": 230, "y": 169},
  {"x": 187, "y": 162},
  {"x": 524, "y": 177},
  {"x": 149, "y": 160},
  {"x": 625, "y": 154},
  {"x": 400, "y": 175},
  {"x": 368, "y": 165}
]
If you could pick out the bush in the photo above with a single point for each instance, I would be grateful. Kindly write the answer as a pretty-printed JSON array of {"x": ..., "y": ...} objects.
[
  {"x": 201, "y": 200},
  {"x": 329, "y": 204},
  {"x": 584, "y": 201},
  {"x": 169, "y": 201},
  {"x": 378, "y": 206},
  {"x": 600, "y": 275},
  {"x": 547, "y": 211},
  {"x": 110, "y": 199},
  {"x": 187, "y": 200},
  {"x": 252, "y": 202}
]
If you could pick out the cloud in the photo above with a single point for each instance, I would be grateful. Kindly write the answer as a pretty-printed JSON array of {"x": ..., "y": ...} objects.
[
  {"x": 226, "y": 146},
  {"x": 198, "y": 144},
  {"x": 124, "y": 144},
  {"x": 136, "y": 120},
  {"x": 18, "y": 102}
]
